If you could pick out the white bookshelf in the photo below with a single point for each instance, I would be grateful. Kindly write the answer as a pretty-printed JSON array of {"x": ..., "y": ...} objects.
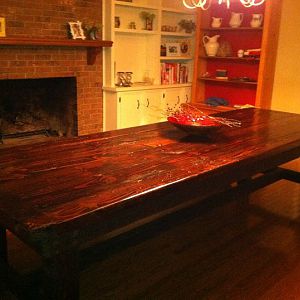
[{"x": 139, "y": 50}]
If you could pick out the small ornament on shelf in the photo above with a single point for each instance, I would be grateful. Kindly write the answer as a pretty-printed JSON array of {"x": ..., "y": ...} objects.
[
  {"x": 221, "y": 74},
  {"x": 163, "y": 50},
  {"x": 240, "y": 53},
  {"x": 148, "y": 18},
  {"x": 216, "y": 22},
  {"x": 173, "y": 49},
  {"x": 124, "y": 79},
  {"x": 168, "y": 28},
  {"x": 147, "y": 78},
  {"x": 255, "y": 53},
  {"x": 256, "y": 20},
  {"x": 184, "y": 48},
  {"x": 117, "y": 22},
  {"x": 225, "y": 49},
  {"x": 236, "y": 19},
  {"x": 76, "y": 30},
  {"x": 206, "y": 75},
  {"x": 188, "y": 25},
  {"x": 211, "y": 45},
  {"x": 132, "y": 25},
  {"x": 91, "y": 32}
]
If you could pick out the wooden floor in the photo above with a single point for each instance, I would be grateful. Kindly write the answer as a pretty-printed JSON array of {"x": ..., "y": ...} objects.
[{"x": 221, "y": 249}]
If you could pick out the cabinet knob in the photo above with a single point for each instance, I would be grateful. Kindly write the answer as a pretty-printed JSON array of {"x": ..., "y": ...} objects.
[
  {"x": 178, "y": 99},
  {"x": 148, "y": 102},
  {"x": 138, "y": 104},
  {"x": 120, "y": 99},
  {"x": 186, "y": 98}
]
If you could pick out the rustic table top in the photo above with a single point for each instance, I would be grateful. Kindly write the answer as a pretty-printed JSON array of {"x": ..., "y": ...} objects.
[{"x": 46, "y": 184}]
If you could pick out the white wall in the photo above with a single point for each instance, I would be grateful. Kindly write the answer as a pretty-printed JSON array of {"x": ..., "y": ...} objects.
[{"x": 286, "y": 91}]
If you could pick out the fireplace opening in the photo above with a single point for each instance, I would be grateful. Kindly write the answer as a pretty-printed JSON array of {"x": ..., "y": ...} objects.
[{"x": 44, "y": 106}]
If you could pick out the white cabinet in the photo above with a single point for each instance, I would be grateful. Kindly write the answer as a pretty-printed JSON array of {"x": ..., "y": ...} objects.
[
  {"x": 129, "y": 109},
  {"x": 186, "y": 95},
  {"x": 138, "y": 51},
  {"x": 132, "y": 108},
  {"x": 140, "y": 107},
  {"x": 151, "y": 111}
]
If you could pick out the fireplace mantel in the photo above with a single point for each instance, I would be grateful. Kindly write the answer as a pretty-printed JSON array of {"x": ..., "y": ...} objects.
[{"x": 92, "y": 46}]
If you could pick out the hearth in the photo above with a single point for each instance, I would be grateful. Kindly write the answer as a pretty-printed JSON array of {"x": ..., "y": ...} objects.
[{"x": 44, "y": 106}]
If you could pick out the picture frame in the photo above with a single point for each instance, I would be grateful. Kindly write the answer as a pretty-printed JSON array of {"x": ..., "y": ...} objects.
[
  {"x": 185, "y": 48},
  {"x": 2, "y": 27},
  {"x": 173, "y": 49},
  {"x": 76, "y": 30}
]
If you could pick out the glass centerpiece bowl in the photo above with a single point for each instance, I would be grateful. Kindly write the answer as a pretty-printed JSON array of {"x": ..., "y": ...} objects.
[{"x": 195, "y": 122}]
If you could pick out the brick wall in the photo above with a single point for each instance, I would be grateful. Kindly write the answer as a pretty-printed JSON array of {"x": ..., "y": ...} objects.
[{"x": 48, "y": 19}]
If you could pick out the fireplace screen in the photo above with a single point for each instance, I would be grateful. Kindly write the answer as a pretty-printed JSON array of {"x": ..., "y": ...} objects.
[{"x": 34, "y": 105}]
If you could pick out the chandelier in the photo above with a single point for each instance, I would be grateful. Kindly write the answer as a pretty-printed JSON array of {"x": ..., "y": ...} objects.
[{"x": 205, "y": 4}]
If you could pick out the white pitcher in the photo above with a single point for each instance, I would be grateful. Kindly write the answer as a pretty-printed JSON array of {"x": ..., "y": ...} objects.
[
  {"x": 211, "y": 45},
  {"x": 236, "y": 19},
  {"x": 256, "y": 20},
  {"x": 216, "y": 22}
]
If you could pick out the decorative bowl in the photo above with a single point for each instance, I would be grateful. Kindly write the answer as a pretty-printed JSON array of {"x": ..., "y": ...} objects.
[{"x": 199, "y": 127}]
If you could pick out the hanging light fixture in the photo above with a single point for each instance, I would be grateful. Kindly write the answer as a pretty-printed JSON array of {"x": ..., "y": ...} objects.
[{"x": 205, "y": 4}]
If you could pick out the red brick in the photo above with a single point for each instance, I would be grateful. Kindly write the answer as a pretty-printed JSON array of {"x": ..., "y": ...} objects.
[
  {"x": 38, "y": 19},
  {"x": 17, "y": 63}
]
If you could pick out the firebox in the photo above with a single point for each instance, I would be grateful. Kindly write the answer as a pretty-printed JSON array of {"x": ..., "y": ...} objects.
[{"x": 30, "y": 106}]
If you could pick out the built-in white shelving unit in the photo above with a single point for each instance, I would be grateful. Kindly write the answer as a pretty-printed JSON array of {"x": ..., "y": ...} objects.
[{"x": 141, "y": 52}]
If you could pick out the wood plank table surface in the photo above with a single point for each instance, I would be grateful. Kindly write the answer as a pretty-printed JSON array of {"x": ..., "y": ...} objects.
[{"x": 57, "y": 196}]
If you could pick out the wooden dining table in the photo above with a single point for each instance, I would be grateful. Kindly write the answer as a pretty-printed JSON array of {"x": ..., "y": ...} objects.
[{"x": 61, "y": 195}]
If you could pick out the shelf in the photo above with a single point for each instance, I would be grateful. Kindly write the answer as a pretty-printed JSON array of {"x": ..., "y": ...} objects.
[
  {"x": 138, "y": 51},
  {"x": 226, "y": 81},
  {"x": 93, "y": 47},
  {"x": 135, "y": 5},
  {"x": 135, "y": 31},
  {"x": 176, "y": 34},
  {"x": 233, "y": 29},
  {"x": 51, "y": 42},
  {"x": 177, "y": 11},
  {"x": 232, "y": 58},
  {"x": 139, "y": 87},
  {"x": 176, "y": 57}
]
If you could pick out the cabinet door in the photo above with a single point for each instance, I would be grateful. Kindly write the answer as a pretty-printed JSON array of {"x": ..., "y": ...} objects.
[
  {"x": 129, "y": 109},
  {"x": 151, "y": 107},
  {"x": 185, "y": 95},
  {"x": 173, "y": 97}
]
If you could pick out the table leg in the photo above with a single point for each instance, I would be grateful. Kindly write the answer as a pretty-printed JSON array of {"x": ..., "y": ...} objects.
[
  {"x": 3, "y": 258},
  {"x": 62, "y": 277},
  {"x": 3, "y": 245}
]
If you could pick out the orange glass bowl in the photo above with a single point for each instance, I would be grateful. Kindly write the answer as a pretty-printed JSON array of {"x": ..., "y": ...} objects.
[{"x": 198, "y": 127}]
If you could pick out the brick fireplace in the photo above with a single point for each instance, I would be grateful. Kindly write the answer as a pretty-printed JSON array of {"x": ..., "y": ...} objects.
[
  {"x": 48, "y": 19},
  {"x": 38, "y": 106}
]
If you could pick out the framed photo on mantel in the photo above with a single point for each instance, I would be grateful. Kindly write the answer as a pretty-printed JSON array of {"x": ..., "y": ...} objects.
[
  {"x": 76, "y": 30},
  {"x": 2, "y": 27}
]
